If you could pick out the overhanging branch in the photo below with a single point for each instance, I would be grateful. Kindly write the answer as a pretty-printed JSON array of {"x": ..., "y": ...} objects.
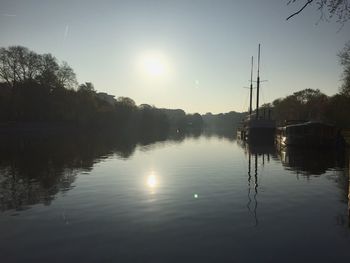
[{"x": 301, "y": 9}]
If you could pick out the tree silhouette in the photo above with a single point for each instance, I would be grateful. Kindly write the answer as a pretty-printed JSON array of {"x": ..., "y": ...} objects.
[
  {"x": 47, "y": 76},
  {"x": 328, "y": 9},
  {"x": 66, "y": 76},
  {"x": 87, "y": 87},
  {"x": 18, "y": 64}
]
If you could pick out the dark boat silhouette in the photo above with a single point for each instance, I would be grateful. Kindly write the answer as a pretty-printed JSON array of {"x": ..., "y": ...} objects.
[{"x": 257, "y": 128}]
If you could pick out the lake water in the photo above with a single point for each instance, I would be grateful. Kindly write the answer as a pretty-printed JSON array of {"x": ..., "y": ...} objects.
[{"x": 186, "y": 199}]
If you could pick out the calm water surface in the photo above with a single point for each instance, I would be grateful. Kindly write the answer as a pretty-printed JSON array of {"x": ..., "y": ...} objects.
[{"x": 194, "y": 199}]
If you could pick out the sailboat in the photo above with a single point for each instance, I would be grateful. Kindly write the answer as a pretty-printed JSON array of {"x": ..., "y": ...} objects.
[{"x": 258, "y": 126}]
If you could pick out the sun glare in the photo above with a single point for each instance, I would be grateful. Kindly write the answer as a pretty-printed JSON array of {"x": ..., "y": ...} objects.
[
  {"x": 152, "y": 181},
  {"x": 154, "y": 65}
]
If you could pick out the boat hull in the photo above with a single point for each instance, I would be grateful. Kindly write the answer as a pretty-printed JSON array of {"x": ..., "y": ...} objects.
[
  {"x": 260, "y": 135},
  {"x": 257, "y": 131}
]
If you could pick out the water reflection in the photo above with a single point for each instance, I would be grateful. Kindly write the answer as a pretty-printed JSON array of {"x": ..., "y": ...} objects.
[
  {"x": 33, "y": 169},
  {"x": 255, "y": 186},
  {"x": 301, "y": 161},
  {"x": 152, "y": 181},
  {"x": 311, "y": 162},
  {"x": 266, "y": 151},
  {"x": 209, "y": 195},
  {"x": 257, "y": 153}
]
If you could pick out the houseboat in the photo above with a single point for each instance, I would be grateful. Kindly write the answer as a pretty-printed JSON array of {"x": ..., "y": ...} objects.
[{"x": 311, "y": 133}]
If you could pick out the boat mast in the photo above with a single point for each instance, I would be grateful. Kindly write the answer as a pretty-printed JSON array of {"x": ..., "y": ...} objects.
[
  {"x": 251, "y": 89},
  {"x": 258, "y": 86}
]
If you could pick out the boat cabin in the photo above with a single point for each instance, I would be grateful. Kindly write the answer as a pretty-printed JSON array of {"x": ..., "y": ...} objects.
[{"x": 306, "y": 134}]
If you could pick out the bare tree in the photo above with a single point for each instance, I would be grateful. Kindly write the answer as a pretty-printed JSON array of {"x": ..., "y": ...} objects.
[
  {"x": 18, "y": 64},
  {"x": 338, "y": 9},
  {"x": 66, "y": 76},
  {"x": 48, "y": 71}
]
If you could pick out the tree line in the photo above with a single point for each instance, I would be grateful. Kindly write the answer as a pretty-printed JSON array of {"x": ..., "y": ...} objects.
[
  {"x": 312, "y": 104},
  {"x": 37, "y": 88}
]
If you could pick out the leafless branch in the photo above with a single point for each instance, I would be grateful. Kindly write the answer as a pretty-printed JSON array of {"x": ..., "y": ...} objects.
[
  {"x": 329, "y": 9},
  {"x": 301, "y": 9}
]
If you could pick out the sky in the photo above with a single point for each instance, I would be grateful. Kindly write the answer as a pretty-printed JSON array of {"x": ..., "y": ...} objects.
[{"x": 188, "y": 54}]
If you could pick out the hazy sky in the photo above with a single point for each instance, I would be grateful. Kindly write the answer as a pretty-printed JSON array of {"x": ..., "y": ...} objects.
[{"x": 201, "y": 49}]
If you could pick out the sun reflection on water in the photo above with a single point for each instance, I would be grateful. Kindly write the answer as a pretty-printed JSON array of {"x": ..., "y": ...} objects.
[{"x": 152, "y": 181}]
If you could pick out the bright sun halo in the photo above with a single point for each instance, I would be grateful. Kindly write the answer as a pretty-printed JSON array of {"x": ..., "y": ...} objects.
[{"x": 153, "y": 65}]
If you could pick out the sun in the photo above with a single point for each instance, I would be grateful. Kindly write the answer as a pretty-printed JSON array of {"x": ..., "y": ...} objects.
[
  {"x": 154, "y": 67},
  {"x": 153, "y": 64}
]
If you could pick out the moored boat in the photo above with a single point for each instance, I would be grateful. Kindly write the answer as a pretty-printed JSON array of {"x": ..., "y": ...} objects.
[
  {"x": 311, "y": 133},
  {"x": 260, "y": 130},
  {"x": 257, "y": 128}
]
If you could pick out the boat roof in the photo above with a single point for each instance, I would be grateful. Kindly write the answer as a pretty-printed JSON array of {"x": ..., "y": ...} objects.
[{"x": 309, "y": 123}]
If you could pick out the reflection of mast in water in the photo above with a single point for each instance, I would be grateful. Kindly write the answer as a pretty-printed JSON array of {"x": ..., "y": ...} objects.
[
  {"x": 256, "y": 189},
  {"x": 254, "y": 212},
  {"x": 249, "y": 179}
]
